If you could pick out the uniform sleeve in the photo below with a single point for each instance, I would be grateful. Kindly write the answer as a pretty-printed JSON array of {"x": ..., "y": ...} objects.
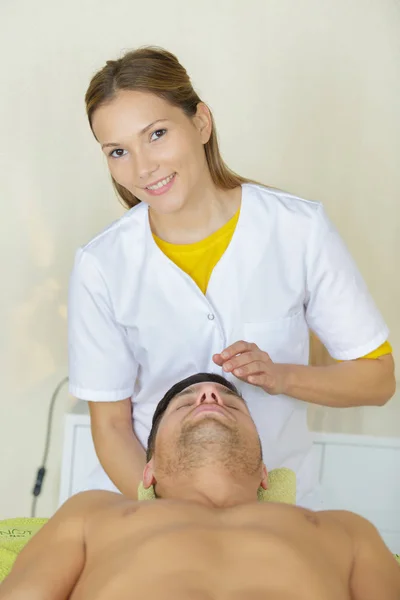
[
  {"x": 101, "y": 364},
  {"x": 339, "y": 308},
  {"x": 383, "y": 350}
]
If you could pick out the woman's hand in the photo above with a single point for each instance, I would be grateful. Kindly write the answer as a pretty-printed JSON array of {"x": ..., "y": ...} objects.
[{"x": 250, "y": 364}]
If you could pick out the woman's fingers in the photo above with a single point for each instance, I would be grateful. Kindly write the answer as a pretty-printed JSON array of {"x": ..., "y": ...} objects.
[
  {"x": 252, "y": 368},
  {"x": 237, "y": 348},
  {"x": 260, "y": 380},
  {"x": 217, "y": 358},
  {"x": 241, "y": 360}
]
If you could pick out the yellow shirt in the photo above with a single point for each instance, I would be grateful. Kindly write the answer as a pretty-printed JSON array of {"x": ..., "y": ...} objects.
[{"x": 199, "y": 259}]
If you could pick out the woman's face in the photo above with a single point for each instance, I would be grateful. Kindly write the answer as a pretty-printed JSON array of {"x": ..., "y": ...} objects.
[{"x": 153, "y": 149}]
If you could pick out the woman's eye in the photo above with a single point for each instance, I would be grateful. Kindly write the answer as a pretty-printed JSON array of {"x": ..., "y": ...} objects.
[
  {"x": 117, "y": 153},
  {"x": 157, "y": 134}
]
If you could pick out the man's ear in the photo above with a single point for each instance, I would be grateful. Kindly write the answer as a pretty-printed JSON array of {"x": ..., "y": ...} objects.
[
  {"x": 264, "y": 480},
  {"x": 148, "y": 475}
]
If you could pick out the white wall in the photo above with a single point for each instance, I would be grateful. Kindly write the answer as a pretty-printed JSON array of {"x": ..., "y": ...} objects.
[{"x": 306, "y": 97}]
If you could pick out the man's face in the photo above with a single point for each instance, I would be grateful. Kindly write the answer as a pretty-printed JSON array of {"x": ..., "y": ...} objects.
[{"x": 206, "y": 424}]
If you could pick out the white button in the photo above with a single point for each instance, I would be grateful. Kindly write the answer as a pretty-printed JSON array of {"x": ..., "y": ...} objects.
[{"x": 211, "y": 317}]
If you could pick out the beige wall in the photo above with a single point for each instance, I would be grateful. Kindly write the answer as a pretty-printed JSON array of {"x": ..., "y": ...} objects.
[{"x": 306, "y": 97}]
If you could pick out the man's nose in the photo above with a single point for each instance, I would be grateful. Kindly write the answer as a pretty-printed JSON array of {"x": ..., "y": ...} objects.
[{"x": 209, "y": 395}]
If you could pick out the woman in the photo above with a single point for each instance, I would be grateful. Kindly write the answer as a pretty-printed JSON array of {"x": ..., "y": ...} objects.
[{"x": 208, "y": 272}]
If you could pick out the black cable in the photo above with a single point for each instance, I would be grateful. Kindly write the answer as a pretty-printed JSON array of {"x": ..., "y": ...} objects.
[{"x": 41, "y": 472}]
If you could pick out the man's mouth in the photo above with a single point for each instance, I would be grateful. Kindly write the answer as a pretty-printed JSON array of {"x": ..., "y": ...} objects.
[
  {"x": 211, "y": 408},
  {"x": 160, "y": 183}
]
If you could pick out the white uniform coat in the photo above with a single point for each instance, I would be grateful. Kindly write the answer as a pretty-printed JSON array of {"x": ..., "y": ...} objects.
[{"x": 138, "y": 324}]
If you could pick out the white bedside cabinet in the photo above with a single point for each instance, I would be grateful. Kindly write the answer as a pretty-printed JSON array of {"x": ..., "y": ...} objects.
[{"x": 360, "y": 473}]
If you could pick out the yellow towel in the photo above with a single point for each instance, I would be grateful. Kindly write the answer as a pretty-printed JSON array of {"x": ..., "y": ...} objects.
[
  {"x": 281, "y": 488},
  {"x": 14, "y": 534}
]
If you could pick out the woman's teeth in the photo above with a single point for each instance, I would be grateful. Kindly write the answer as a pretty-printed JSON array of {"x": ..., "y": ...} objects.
[{"x": 160, "y": 184}]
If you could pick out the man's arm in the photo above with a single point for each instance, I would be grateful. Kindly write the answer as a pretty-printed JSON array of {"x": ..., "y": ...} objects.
[
  {"x": 375, "y": 573},
  {"x": 50, "y": 564},
  {"x": 117, "y": 447}
]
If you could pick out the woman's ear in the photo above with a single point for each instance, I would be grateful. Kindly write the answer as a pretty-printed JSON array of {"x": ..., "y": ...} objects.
[
  {"x": 264, "y": 480},
  {"x": 148, "y": 475},
  {"x": 203, "y": 122}
]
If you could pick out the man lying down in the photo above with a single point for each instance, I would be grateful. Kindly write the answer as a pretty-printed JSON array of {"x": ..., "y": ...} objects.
[{"x": 206, "y": 537}]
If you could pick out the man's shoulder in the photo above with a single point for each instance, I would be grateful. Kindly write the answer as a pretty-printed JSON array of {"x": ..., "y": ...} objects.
[
  {"x": 87, "y": 503},
  {"x": 353, "y": 523}
]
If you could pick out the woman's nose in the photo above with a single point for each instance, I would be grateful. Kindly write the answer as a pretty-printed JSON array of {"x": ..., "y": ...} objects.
[{"x": 145, "y": 168}]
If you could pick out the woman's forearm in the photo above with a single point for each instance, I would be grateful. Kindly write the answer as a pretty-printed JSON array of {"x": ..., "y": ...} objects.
[
  {"x": 122, "y": 457},
  {"x": 363, "y": 382}
]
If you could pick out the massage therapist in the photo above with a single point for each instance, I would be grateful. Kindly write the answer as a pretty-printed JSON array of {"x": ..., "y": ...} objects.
[{"x": 208, "y": 271}]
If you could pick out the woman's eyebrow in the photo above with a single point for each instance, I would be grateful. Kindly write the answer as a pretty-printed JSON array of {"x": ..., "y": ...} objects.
[
  {"x": 142, "y": 132},
  {"x": 145, "y": 129}
]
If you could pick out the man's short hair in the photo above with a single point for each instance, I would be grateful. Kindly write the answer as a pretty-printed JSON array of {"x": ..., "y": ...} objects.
[{"x": 170, "y": 395}]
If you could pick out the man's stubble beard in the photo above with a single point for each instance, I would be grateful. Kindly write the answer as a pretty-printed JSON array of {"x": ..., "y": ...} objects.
[{"x": 211, "y": 442}]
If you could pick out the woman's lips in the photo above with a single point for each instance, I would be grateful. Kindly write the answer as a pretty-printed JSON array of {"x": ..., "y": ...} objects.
[{"x": 163, "y": 189}]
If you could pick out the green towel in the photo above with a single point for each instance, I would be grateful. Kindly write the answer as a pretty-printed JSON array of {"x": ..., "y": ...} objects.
[
  {"x": 14, "y": 534},
  {"x": 281, "y": 488}
]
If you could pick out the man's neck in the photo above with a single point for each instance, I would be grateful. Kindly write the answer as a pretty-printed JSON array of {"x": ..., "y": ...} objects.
[{"x": 210, "y": 488}]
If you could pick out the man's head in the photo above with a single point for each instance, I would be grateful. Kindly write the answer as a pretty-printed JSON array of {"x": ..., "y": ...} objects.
[{"x": 203, "y": 426}]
